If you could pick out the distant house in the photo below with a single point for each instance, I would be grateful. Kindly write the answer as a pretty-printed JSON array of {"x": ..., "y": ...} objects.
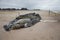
[{"x": 24, "y": 9}]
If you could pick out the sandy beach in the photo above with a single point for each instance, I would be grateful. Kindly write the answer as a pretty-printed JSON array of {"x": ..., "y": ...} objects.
[{"x": 39, "y": 31}]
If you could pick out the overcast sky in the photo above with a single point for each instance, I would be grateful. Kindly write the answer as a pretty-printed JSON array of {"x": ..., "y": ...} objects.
[{"x": 31, "y": 4}]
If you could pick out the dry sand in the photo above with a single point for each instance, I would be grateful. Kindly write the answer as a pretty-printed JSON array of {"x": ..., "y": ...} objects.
[{"x": 40, "y": 31}]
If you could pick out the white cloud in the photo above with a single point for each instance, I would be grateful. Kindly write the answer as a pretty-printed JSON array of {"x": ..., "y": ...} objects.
[{"x": 41, "y": 4}]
